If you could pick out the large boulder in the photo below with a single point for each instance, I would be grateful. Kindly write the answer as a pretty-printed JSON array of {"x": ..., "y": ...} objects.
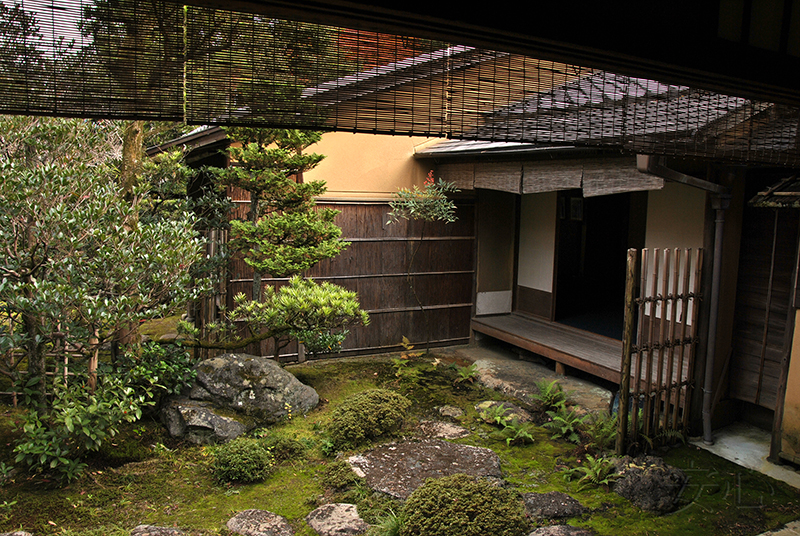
[
  {"x": 649, "y": 483},
  {"x": 234, "y": 393}
]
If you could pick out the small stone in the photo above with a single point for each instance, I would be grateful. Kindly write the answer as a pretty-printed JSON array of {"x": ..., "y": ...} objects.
[
  {"x": 337, "y": 519},
  {"x": 259, "y": 523},
  {"x": 153, "y": 530},
  {"x": 649, "y": 483},
  {"x": 16, "y": 533},
  {"x": 443, "y": 430},
  {"x": 561, "y": 530},
  {"x": 451, "y": 411},
  {"x": 552, "y": 505},
  {"x": 511, "y": 411}
]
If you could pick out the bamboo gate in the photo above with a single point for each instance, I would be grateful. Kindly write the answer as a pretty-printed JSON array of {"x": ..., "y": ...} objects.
[{"x": 659, "y": 344}]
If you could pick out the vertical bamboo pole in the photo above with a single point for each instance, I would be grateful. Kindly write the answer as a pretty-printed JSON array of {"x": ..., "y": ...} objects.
[
  {"x": 692, "y": 332},
  {"x": 648, "y": 389},
  {"x": 662, "y": 381},
  {"x": 637, "y": 386},
  {"x": 682, "y": 342},
  {"x": 673, "y": 318},
  {"x": 627, "y": 349}
]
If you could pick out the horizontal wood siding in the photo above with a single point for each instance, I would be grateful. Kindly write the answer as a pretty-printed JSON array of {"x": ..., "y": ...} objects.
[
  {"x": 374, "y": 266},
  {"x": 758, "y": 342}
]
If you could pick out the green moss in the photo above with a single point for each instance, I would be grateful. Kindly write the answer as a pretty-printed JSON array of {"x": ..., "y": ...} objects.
[
  {"x": 366, "y": 416},
  {"x": 461, "y": 505},
  {"x": 174, "y": 486}
]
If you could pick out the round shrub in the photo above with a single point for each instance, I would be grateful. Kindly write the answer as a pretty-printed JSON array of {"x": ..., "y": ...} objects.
[
  {"x": 462, "y": 505},
  {"x": 282, "y": 448},
  {"x": 242, "y": 460},
  {"x": 367, "y": 416}
]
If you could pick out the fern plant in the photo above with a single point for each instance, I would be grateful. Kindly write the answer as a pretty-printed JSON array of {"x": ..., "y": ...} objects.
[
  {"x": 495, "y": 414},
  {"x": 594, "y": 472},
  {"x": 600, "y": 432},
  {"x": 550, "y": 396},
  {"x": 517, "y": 432},
  {"x": 565, "y": 424}
]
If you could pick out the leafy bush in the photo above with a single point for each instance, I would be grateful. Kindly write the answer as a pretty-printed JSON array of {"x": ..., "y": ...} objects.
[
  {"x": 166, "y": 369},
  {"x": 77, "y": 425},
  {"x": 461, "y": 505},
  {"x": 367, "y": 416},
  {"x": 242, "y": 460}
]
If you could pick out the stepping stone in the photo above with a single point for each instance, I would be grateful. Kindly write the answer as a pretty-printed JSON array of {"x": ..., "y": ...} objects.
[
  {"x": 397, "y": 469},
  {"x": 259, "y": 523},
  {"x": 450, "y": 411},
  {"x": 337, "y": 519}
]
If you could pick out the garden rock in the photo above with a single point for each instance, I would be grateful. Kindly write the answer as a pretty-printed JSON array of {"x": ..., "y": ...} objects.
[
  {"x": 234, "y": 393},
  {"x": 201, "y": 422},
  {"x": 259, "y": 523},
  {"x": 255, "y": 386},
  {"x": 512, "y": 411},
  {"x": 17, "y": 533},
  {"x": 649, "y": 483},
  {"x": 552, "y": 505},
  {"x": 337, "y": 519},
  {"x": 442, "y": 430},
  {"x": 450, "y": 411},
  {"x": 397, "y": 469},
  {"x": 152, "y": 530},
  {"x": 561, "y": 530}
]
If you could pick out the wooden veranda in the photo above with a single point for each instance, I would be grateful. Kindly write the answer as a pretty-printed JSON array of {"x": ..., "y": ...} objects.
[{"x": 597, "y": 355}]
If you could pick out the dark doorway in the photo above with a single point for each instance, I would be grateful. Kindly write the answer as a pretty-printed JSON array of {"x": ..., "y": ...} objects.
[{"x": 593, "y": 237}]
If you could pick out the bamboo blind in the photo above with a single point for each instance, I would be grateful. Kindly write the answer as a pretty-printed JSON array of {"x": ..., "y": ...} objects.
[{"x": 161, "y": 60}]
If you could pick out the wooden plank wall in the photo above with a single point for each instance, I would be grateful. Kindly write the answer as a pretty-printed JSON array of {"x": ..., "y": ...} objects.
[
  {"x": 759, "y": 330},
  {"x": 374, "y": 266}
]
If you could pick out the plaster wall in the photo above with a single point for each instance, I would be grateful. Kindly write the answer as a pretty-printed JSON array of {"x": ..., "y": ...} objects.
[
  {"x": 537, "y": 241},
  {"x": 368, "y": 166},
  {"x": 675, "y": 219}
]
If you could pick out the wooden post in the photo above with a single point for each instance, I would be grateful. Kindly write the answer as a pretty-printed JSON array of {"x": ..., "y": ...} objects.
[{"x": 627, "y": 349}]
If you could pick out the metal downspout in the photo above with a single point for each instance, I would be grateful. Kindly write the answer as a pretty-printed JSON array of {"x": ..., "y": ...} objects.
[{"x": 720, "y": 204}]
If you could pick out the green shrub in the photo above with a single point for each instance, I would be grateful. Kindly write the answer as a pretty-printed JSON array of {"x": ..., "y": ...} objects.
[
  {"x": 366, "y": 416},
  {"x": 461, "y": 505},
  {"x": 242, "y": 460},
  {"x": 339, "y": 476},
  {"x": 282, "y": 448}
]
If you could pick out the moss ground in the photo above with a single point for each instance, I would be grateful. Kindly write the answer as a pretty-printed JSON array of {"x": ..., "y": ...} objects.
[{"x": 145, "y": 477}]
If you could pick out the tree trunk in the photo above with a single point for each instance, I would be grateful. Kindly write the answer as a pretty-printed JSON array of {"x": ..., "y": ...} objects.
[
  {"x": 94, "y": 342},
  {"x": 253, "y": 216}
]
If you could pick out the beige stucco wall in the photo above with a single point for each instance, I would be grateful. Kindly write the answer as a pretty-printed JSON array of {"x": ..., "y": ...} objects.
[
  {"x": 537, "y": 241},
  {"x": 790, "y": 430},
  {"x": 675, "y": 217},
  {"x": 367, "y": 166}
]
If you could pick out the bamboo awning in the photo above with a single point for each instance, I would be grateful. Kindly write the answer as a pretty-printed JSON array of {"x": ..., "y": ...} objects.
[
  {"x": 167, "y": 61},
  {"x": 783, "y": 194}
]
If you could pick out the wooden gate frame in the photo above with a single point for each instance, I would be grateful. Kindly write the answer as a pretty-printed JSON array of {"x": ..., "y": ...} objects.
[{"x": 662, "y": 387}]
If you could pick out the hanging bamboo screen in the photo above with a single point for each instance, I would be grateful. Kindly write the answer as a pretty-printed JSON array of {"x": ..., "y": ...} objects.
[{"x": 161, "y": 60}]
